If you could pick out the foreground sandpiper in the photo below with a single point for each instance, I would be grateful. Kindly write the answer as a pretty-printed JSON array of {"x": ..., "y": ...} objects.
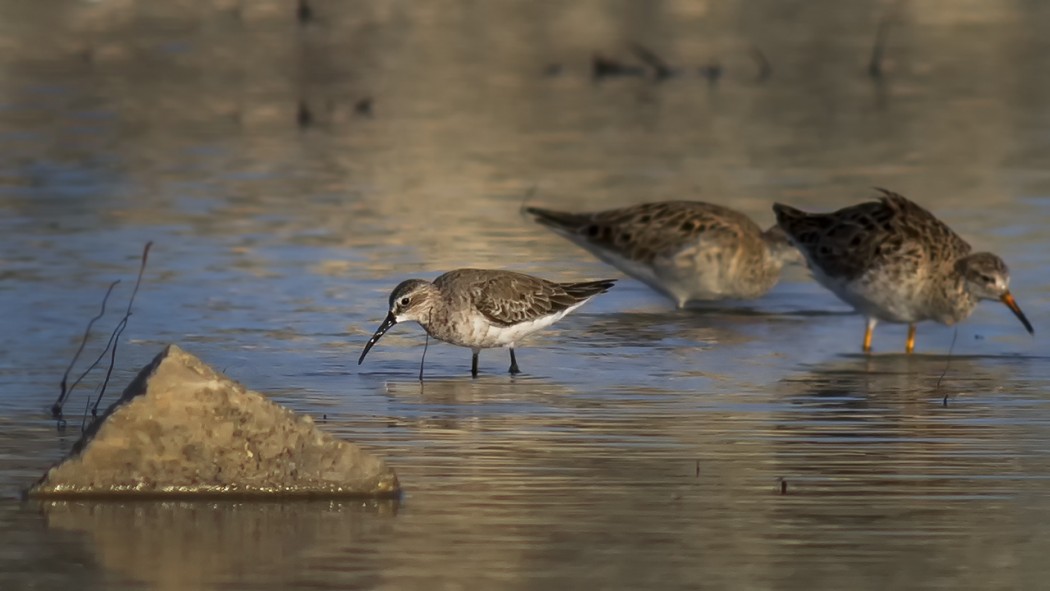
[
  {"x": 482, "y": 309},
  {"x": 686, "y": 250},
  {"x": 892, "y": 260}
]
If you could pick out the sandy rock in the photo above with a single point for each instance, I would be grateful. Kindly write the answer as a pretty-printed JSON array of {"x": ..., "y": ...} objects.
[{"x": 182, "y": 429}]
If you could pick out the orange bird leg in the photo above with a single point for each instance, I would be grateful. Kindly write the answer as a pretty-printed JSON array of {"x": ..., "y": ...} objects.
[
  {"x": 867, "y": 334},
  {"x": 910, "y": 345}
]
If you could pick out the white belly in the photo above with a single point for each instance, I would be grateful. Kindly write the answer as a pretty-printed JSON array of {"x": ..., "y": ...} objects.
[
  {"x": 482, "y": 334},
  {"x": 679, "y": 276},
  {"x": 903, "y": 302}
]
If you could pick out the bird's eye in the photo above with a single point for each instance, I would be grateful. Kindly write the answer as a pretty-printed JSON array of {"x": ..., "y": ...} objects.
[
  {"x": 986, "y": 278},
  {"x": 405, "y": 301}
]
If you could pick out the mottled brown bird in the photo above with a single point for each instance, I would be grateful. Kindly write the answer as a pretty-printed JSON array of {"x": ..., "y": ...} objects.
[
  {"x": 686, "y": 250},
  {"x": 892, "y": 260}
]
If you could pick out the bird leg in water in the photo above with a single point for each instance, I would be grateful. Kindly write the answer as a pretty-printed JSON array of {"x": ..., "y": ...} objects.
[
  {"x": 513, "y": 363},
  {"x": 867, "y": 334},
  {"x": 909, "y": 345}
]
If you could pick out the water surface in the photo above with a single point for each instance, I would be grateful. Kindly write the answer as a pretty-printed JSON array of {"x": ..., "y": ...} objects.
[{"x": 744, "y": 446}]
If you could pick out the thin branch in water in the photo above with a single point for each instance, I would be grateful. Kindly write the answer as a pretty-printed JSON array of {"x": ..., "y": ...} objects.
[
  {"x": 304, "y": 118},
  {"x": 115, "y": 338},
  {"x": 64, "y": 392},
  {"x": 120, "y": 326},
  {"x": 602, "y": 67},
  {"x": 660, "y": 68},
  {"x": 304, "y": 13},
  {"x": 95, "y": 363},
  {"x": 712, "y": 72},
  {"x": 878, "y": 50},
  {"x": 765, "y": 68},
  {"x": 363, "y": 107},
  {"x": 87, "y": 408}
]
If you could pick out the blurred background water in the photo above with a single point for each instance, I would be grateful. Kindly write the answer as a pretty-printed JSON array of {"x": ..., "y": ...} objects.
[{"x": 290, "y": 171}]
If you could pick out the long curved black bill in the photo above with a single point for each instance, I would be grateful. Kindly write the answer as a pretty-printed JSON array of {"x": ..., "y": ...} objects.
[
  {"x": 390, "y": 321},
  {"x": 1010, "y": 303}
]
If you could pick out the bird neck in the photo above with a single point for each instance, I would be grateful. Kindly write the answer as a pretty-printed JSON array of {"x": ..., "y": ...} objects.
[
  {"x": 433, "y": 314},
  {"x": 953, "y": 301}
]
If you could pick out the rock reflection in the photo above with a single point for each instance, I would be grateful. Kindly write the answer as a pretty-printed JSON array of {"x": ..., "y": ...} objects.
[{"x": 207, "y": 545}]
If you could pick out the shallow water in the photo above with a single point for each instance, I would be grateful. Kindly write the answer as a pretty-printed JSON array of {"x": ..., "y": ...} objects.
[{"x": 745, "y": 446}]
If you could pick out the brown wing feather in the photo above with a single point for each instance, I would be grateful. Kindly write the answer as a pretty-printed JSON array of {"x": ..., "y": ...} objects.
[
  {"x": 848, "y": 242},
  {"x": 506, "y": 298},
  {"x": 648, "y": 230}
]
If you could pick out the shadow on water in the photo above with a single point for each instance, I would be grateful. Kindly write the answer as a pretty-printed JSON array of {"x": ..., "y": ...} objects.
[
  {"x": 746, "y": 308},
  {"x": 867, "y": 449},
  {"x": 945, "y": 358},
  {"x": 888, "y": 378},
  {"x": 448, "y": 400},
  {"x": 870, "y": 425}
]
